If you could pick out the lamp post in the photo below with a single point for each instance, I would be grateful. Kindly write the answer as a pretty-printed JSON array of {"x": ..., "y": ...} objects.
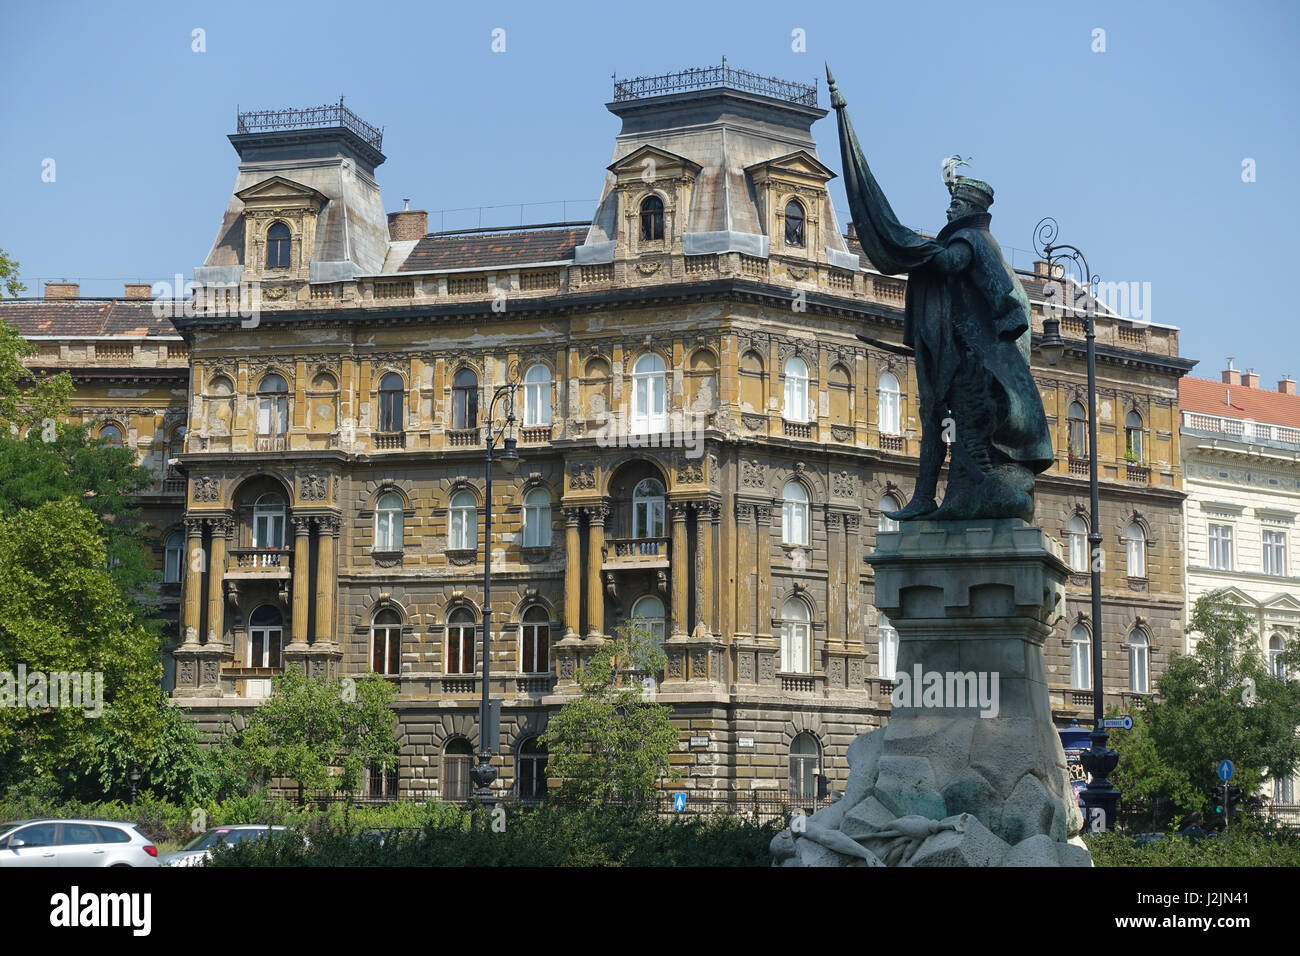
[
  {"x": 133, "y": 775},
  {"x": 1100, "y": 796},
  {"x": 483, "y": 772}
]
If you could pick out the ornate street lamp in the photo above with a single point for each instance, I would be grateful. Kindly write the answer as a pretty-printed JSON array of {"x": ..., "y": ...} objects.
[
  {"x": 1100, "y": 796},
  {"x": 483, "y": 772},
  {"x": 133, "y": 775}
]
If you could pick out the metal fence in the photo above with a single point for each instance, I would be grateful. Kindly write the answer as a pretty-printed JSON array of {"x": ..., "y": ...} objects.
[
  {"x": 332, "y": 114},
  {"x": 705, "y": 77}
]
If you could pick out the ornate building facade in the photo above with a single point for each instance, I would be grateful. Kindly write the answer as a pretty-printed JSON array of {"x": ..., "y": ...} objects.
[{"x": 707, "y": 448}]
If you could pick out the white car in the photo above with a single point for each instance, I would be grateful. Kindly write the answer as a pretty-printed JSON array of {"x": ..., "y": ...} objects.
[
  {"x": 199, "y": 850},
  {"x": 73, "y": 843}
]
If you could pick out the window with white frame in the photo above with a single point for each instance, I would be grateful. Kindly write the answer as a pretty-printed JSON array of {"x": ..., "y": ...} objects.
[
  {"x": 890, "y": 405},
  {"x": 649, "y": 405},
  {"x": 887, "y": 503},
  {"x": 1081, "y": 657},
  {"x": 1284, "y": 791},
  {"x": 796, "y": 638},
  {"x": 388, "y": 522},
  {"x": 1139, "y": 656},
  {"x": 1276, "y": 647},
  {"x": 530, "y": 778},
  {"x": 648, "y": 614},
  {"x": 265, "y": 636},
  {"x": 391, "y": 390},
  {"x": 1077, "y": 533},
  {"x": 535, "y": 641},
  {"x": 268, "y": 521},
  {"x": 887, "y": 639},
  {"x": 460, "y": 642},
  {"x": 537, "y": 518},
  {"x": 1221, "y": 546},
  {"x": 1274, "y": 552},
  {"x": 457, "y": 758},
  {"x": 648, "y": 509},
  {"x": 805, "y": 764},
  {"x": 464, "y": 399},
  {"x": 537, "y": 396},
  {"x": 272, "y": 406},
  {"x": 386, "y": 642},
  {"x": 796, "y": 389},
  {"x": 1133, "y": 437},
  {"x": 1077, "y": 433},
  {"x": 173, "y": 549},
  {"x": 463, "y": 534},
  {"x": 1135, "y": 547},
  {"x": 794, "y": 514}
]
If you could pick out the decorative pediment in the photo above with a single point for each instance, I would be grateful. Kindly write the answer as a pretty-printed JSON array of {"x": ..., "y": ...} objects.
[
  {"x": 278, "y": 191},
  {"x": 1281, "y": 602},
  {"x": 800, "y": 165},
  {"x": 665, "y": 164},
  {"x": 1237, "y": 596}
]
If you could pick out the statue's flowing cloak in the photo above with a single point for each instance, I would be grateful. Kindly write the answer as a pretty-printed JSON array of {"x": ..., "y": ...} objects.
[{"x": 980, "y": 313}]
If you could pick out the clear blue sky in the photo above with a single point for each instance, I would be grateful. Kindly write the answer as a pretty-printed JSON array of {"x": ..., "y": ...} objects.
[{"x": 1137, "y": 151}]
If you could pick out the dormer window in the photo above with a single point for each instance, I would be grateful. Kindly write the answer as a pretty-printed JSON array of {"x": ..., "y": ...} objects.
[
  {"x": 277, "y": 246},
  {"x": 793, "y": 223},
  {"x": 652, "y": 218}
]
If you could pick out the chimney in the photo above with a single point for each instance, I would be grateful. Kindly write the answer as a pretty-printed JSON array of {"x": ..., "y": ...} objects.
[
  {"x": 138, "y": 290},
  {"x": 62, "y": 290},
  {"x": 1250, "y": 379},
  {"x": 1231, "y": 376},
  {"x": 1043, "y": 271},
  {"x": 408, "y": 223},
  {"x": 853, "y": 230},
  {"x": 1286, "y": 386}
]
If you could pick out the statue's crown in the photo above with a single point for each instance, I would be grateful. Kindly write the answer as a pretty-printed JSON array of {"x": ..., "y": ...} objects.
[{"x": 974, "y": 191}]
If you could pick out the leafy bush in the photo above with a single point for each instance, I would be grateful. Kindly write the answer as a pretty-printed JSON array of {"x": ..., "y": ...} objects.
[{"x": 1247, "y": 845}]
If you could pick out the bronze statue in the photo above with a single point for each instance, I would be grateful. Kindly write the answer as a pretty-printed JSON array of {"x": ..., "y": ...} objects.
[{"x": 967, "y": 324}]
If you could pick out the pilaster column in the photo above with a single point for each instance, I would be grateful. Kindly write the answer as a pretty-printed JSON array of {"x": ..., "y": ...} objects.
[
  {"x": 706, "y": 519},
  {"x": 194, "y": 565},
  {"x": 301, "y": 581},
  {"x": 326, "y": 541},
  {"x": 222, "y": 529},
  {"x": 681, "y": 567},
  {"x": 572, "y": 571},
  {"x": 834, "y": 575},
  {"x": 746, "y": 567},
  {"x": 763, "y": 548},
  {"x": 853, "y": 581},
  {"x": 595, "y": 559}
]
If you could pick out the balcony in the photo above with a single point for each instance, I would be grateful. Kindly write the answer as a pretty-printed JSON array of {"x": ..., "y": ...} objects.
[
  {"x": 891, "y": 442},
  {"x": 271, "y": 442},
  {"x": 1078, "y": 467},
  {"x": 462, "y": 437},
  {"x": 801, "y": 683},
  {"x": 388, "y": 441},
  {"x": 534, "y": 683},
  {"x": 636, "y": 553},
  {"x": 1137, "y": 474},
  {"x": 796, "y": 429},
  {"x": 535, "y": 435},
  {"x": 259, "y": 563}
]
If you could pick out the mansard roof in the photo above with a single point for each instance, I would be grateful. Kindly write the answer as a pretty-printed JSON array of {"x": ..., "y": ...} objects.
[
  {"x": 482, "y": 249},
  {"x": 1218, "y": 398},
  {"x": 129, "y": 318}
]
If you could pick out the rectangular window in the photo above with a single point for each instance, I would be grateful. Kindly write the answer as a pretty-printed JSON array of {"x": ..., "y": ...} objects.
[
  {"x": 1274, "y": 552},
  {"x": 1221, "y": 547}
]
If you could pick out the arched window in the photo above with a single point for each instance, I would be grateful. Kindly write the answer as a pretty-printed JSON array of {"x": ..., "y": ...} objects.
[
  {"x": 537, "y": 396},
  {"x": 173, "y": 549},
  {"x": 652, "y": 218},
  {"x": 794, "y": 234},
  {"x": 887, "y": 503},
  {"x": 1276, "y": 647},
  {"x": 1133, "y": 437},
  {"x": 530, "y": 776},
  {"x": 272, "y": 406},
  {"x": 1080, "y": 657},
  {"x": 887, "y": 640},
  {"x": 648, "y": 614},
  {"x": 796, "y": 389},
  {"x": 110, "y": 436},
  {"x": 648, "y": 399},
  {"x": 535, "y": 641},
  {"x": 1139, "y": 653},
  {"x": 457, "y": 757},
  {"x": 1135, "y": 546},
  {"x": 890, "y": 405},
  {"x": 278, "y": 251},
  {"x": 794, "y": 514},
  {"x": 1077, "y": 421},
  {"x": 460, "y": 642},
  {"x": 796, "y": 638},
  {"x": 648, "y": 509},
  {"x": 388, "y": 522},
  {"x": 265, "y": 637},
  {"x": 175, "y": 448},
  {"x": 268, "y": 521},
  {"x": 537, "y": 519},
  {"x": 386, "y": 642},
  {"x": 391, "y": 389},
  {"x": 805, "y": 764},
  {"x": 464, "y": 399},
  {"x": 1077, "y": 533},
  {"x": 463, "y": 535}
]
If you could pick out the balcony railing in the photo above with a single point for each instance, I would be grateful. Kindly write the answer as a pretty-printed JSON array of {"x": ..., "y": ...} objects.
[
  {"x": 272, "y": 442},
  {"x": 388, "y": 441},
  {"x": 891, "y": 442},
  {"x": 1079, "y": 467},
  {"x": 535, "y": 435},
  {"x": 270, "y": 561},
  {"x": 332, "y": 114},
  {"x": 1137, "y": 474},
  {"x": 713, "y": 76},
  {"x": 462, "y": 437},
  {"x": 649, "y": 552},
  {"x": 1241, "y": 429},
  {"x": 796, "y": 429}
]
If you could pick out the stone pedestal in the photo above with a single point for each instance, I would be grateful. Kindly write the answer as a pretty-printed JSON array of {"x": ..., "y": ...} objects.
[{"x": 969, "y": 771}]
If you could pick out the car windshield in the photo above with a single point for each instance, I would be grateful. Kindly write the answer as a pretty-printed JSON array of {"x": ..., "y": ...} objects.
[
  {"x": 205, "y": 841},
  {"x": 229, "y": 835}
]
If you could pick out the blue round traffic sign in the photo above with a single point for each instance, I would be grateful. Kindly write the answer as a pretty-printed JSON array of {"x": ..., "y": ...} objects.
[{"x": 1225, "y": 769}]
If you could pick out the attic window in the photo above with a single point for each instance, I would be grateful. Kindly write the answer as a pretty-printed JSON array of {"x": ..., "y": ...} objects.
[
  {"x": 652, "y": 218},
  {"x": 793, "y": 223},
  {"x": 277, "y": 246}
]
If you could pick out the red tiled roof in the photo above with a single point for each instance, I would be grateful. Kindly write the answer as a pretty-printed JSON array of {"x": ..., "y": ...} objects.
[
  {"x": 474, "y": 250},
  {"x": 1211, "y": 398},
  {"x": 125, "y": 317}
]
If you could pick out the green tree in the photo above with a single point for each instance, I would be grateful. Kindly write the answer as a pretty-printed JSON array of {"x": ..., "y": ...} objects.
[
  {"x": 1221, "y": 702},
  {"x": 310, "y": 726},
  {"x": 612, "y": 742},
  {"x": 61, "y": 612}
]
